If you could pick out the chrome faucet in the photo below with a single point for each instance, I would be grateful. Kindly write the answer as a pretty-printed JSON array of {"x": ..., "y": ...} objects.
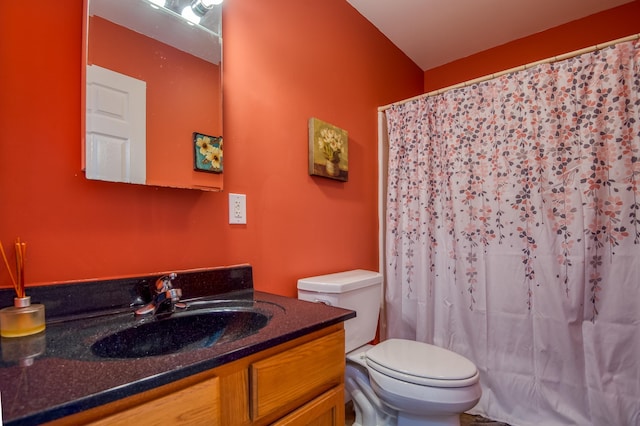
[{"x": 166, "y": 298}]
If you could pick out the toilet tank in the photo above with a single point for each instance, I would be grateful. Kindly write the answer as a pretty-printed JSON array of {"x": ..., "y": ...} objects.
[{"x": 358, "y": 290}]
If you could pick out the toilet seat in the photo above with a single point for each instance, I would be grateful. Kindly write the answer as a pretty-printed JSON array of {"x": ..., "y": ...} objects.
[{"x": 421, "y": 364}]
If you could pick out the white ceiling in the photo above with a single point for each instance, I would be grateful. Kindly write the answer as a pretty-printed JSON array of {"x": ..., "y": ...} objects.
[{"x": 435, "y": 32}]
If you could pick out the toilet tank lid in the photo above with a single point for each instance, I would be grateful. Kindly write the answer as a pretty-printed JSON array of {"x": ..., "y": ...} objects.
[{"x": 340, "y": 282}]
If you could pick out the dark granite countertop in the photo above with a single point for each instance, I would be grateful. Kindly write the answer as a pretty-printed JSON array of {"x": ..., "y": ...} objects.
[{"x": 64, "y": 376}]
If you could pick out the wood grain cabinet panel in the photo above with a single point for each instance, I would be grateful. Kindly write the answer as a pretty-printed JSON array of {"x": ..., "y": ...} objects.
[
  {"x": 287, "y": 380},
  {"x": 195, "y": 405},
  {"x": 325, "y": 410},
  {"x": 186, "y": 402}
]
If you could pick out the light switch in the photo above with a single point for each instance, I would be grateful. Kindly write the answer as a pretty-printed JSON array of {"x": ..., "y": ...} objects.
[{"x": 237, "y": 209}]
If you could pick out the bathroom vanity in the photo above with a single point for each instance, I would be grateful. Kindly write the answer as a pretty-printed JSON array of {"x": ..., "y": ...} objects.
[
  {"x": 282, "y": 385},
  {"x": 288, "y": 370}
]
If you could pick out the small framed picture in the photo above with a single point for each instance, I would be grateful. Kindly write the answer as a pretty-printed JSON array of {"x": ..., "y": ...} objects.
[
  {"x": 207, "y": 152},
  {"x": 328, "y": 150}
]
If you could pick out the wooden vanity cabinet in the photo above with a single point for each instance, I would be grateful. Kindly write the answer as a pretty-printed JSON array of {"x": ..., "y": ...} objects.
[{"x": 300, "y": 382}]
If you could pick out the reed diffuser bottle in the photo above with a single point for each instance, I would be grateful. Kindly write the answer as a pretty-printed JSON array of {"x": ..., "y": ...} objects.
[{"x": 23, "y": 318}]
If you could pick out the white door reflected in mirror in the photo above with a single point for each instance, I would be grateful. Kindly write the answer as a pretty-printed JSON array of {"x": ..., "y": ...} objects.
[{"x": 115, "y": 126}]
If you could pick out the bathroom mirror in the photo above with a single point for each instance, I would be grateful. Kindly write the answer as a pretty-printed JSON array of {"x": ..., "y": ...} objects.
[{"x": 153, "y": 93}]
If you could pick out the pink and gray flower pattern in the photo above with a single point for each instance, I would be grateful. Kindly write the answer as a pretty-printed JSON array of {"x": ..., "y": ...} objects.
[{"x": 543, "y": 163}]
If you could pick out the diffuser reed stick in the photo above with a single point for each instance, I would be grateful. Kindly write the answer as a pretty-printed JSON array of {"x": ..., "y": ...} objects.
[
  {"x": 6, "y": 263},
  {"x": 21, "y": 251}
]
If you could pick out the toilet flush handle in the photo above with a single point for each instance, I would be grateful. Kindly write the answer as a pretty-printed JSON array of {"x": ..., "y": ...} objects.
[{"x": 324, "y": 302}]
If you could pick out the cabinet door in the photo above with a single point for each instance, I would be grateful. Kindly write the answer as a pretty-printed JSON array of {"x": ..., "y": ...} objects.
[
  {"x": 284, "y": 382},
  {"x": 194, "y": 405},
  {"x": 325, "y": 410}
]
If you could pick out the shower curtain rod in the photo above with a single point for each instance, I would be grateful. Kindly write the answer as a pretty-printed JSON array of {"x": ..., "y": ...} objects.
[{"x": 512, "y": 70}]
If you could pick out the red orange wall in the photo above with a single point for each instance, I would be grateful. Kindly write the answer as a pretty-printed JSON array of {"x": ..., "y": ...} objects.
[
  {"x": 173, "y": 78},
  {"x": 284, "y": 61},
  {"x": 602, "y": 27}
]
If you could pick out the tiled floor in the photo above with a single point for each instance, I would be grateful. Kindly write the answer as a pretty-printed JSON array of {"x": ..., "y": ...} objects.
[{"x": 465, "y": 419}]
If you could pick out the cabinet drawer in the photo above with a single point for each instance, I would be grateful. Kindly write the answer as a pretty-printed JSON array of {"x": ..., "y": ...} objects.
[
  {"x": 287, "y": 380},
  {"x": 195, "y": 405},
  {"x": 325, "y": 410}
]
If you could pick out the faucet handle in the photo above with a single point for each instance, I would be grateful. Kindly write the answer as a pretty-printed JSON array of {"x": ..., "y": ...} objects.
[
  {"x": 166, "y": 298},
  {"x": 164, "y": 282},
  {"x": 170, "y": 296}
]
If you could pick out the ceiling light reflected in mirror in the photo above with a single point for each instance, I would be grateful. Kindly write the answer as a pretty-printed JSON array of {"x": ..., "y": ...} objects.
[
  {"x": 192, "y": 10},
  {"x": 188, "y": 14}
]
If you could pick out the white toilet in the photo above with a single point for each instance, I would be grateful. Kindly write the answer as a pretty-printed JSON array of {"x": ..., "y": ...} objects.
[{"x": 396, "y": 382}]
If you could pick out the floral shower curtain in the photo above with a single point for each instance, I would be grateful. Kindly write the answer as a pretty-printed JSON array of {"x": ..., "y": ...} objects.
[{"x": 513, "y": 236}]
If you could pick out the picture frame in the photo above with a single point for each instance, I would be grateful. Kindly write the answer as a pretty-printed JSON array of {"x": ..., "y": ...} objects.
[
  {"x": 207, "y": 153},
  {"x": 328, "y": 150}
]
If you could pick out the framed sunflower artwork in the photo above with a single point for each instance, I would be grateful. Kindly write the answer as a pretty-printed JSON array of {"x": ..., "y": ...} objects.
[{"x": 207, "y": 152}]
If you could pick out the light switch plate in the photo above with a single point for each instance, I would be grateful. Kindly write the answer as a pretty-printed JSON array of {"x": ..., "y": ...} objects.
[{"x": 237, "y": 209}]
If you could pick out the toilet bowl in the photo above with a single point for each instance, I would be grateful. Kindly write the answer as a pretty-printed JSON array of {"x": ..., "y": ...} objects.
[
  {"x": 408, "y": 383},
  {"x": 396, "y": 382},
  {"x": 426, "y": 384}
]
